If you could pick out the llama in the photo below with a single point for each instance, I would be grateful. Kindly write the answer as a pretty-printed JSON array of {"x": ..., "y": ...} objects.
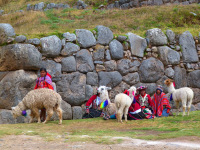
[
  {"x": 37, "y": 99},
  {"x": 123, "y": 102},
  {"x": 110, "y": 109},
  {"x": 185, "y": 95}
]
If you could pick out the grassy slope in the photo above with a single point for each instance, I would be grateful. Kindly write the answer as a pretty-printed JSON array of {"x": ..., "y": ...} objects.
[
  {"x": 98, "y": 129},
  {"x": 38, "y": 24}
]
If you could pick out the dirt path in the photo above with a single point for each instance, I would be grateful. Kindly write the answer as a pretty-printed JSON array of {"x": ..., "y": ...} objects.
[{"x": 24, "y": 142}]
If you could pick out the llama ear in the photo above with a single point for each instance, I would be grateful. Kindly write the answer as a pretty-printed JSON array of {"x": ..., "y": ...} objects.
[{"x": 108, "y": 88}]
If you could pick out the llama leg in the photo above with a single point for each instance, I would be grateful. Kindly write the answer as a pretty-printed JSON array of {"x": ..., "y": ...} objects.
[
  {"x": 120, "y": 112},
  {"x": 177, "y": 107},
  {"x": 50, "y": 113},
  {"x": 59, "y": 113},
  {"x": 125, "y": 113},
  {"x": 189, "y": 106},
  {"x": 32, "y": 115},
  {"x": 184, "y": 106},
  {"x": 37, "y": 114}
]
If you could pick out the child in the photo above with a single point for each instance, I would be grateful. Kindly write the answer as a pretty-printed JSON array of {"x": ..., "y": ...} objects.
[{"x": 44, "y": 81}]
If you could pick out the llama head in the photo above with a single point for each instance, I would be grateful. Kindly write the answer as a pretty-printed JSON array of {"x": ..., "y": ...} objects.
[
  {"x": 168, "y": 82},
  {"x": 103, "y": 89},
  {"x": 132, "y": 90},
  {"x": 16, "y": 112}
]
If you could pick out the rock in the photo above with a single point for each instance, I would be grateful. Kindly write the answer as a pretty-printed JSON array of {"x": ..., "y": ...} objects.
[
  {"x": 171, "y": 36},
  {"x": 133, "y": 69},
  {"x": 135, "y": 63},
  {"x": 19, "y": 56},
  {"x": 154, "y": 49},
  {"x": 110, "y": 79},
  {"x": 34, "y": 41},
  {"x": 77, "y": 112},
  {"x": 194, "y": 79},
  {"x": 14, "y": 86},
  {"x": 123, "y": 66},
  {"x": 98, "y": 55},
  {"x": 151, "y": 70},
  {"x": 63, "y": 42},
  {"x": 151, "y": 87},
  {"x": 169, "y": 72},
  {"x": 29, "y": 7},
  {"x": 110, "y": 65},
  {"x": 39, "y": 6},
  {"x": 158, "y": 2},
  {"x": 125, "y": 6},
  {"x": 88, "y": 91},
  {"x": 116, "y": 49},
  {"x": 198, "y": 106},
  {"x": 118, "y": 89},
  {"x": 51, "y": 46},
  {"x": 168, "y": 56},
  {"x": 137, "y": 43},
  {"x": 20, "y": 39},
  {"x": 178, "y": 48},
  {"x": 51, "y": 5},
  {"x": 67, "y": 112},
  {"x": 187, "y": 44},
  {"x": 134, "y": 3},
  {"x": 121, "y": 38},
  {"x": 156, "y": 37},
  {"x": 92, "y": 78},
  {"x": 185, "y": 3},
  {"x": 110, "y": 6},
  {"x": 192, "y": 108},
  {"x": 8, "y": 29},
  {"x": 85, "y": 38},
  {"x": 69, "y": 49},
  {"x": 100, "y": 68},
  {"x": 161, "y": 82},
  {"x": 72, "y": 88},
  {"x": 180, "y": 77},
  {"x": 131, "y": 78},
  {"x": 84, "y": 61},
  {"x": 108, "y": 57},
  {"x": 1, "y": 12},
  {"x": 69, "y": 64},
  {"x": 196, "y": 98},
  {"x": 98, "y": 62},
  {"x": 104, "y": 35},
  {"x": 70, "y": 37},
  {"x": 53, "y": 68},
  {"x": 198, "y": 47},
  {"x": 81, "y": 5}
]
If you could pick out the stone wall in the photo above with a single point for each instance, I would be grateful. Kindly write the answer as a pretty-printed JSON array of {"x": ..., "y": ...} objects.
[{"x": 79, "y": 62}]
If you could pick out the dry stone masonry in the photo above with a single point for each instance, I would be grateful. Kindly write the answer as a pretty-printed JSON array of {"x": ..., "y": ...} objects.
[{"x": 83, "y": 60}]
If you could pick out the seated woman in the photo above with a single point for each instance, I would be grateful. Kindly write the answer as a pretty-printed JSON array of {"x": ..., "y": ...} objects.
[
  {"x": 93, "y": 107},
  {"x": 161, "y": 105},
  {"x": 44, "y": 81}
]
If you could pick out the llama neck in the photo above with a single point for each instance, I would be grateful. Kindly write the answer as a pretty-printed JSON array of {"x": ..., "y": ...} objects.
[
  {"x": 105, "y": 97},
  {"x": 171, "y": 88},
  {"x": 21, "y": 106}
]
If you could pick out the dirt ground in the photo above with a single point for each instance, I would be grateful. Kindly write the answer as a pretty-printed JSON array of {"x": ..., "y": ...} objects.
[{"x": 24, "y": 142}]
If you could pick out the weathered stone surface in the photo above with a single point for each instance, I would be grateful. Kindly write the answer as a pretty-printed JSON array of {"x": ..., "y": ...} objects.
[
  {"x": 171, "y": 36},
  {"x": 110, "y": 79},
  {"x": 137, "y": 43},
  {"x": 20, "y": 39},
  {"x": 52, "y": 67},
  {"x": 19, "y": 56},
  {"x": 118, "y": 89},
  {"x": 187, "y": 44},
  {"x": 168, "y": 56},
  {"x": 70, "y": 37},
  {"x": 92, "y": 78},
  {"x": 131, "y": 78},
  {"x": 194, "y": 79},
  {"x": 156, "y": 37},
  {"x": 110, "y": 65},
  {"x": 100, "y": 68},
  {"x": 121, "y": 38},
  {"x": 98, "y": 54},
  {"x": 123, "y": 66},
  {"x": 51, "y": 46},
  {"x": 198, "y": 106},
  {"x": 158, "y": 2},
  {"x": 85, "y": 38},
  {"x": 133, "y": 69},
  {"x": 108, "y": 57},
  {"x": 116, "y": 49},
  {"x": 77, "y": 112},
  {"x": 8, "y": 29},
  {"x": 72, "y": 88},
  {"x": 169, "y": 72},
  {"x": 151, "y": 70},
  {"x": 84, "y": 61},
  {"x": 180, "y": 77},
  {"x": 196, "y": 98},
  {"x": 34, "y": 41},
  {"x": 14, "y": 86},
  {"x": 136, "y": 63},
  {"x": 88, "y": 91},
  {"x": 104, "y": 35},
  {"x": 39, "y": 6},
  {"x": 67, "y": 112},
  {"x": 80, "y": 5},
  {"x": 161, "y": 82},
  {"x": 69, "y": 64},
  {"x": 69, "y": 49}
]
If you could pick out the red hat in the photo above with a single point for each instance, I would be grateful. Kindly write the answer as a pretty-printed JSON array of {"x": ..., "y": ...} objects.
[{"x": 141, "y": 88}]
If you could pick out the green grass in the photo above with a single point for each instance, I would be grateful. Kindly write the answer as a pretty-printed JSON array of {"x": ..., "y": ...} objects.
[{"x": 101, "y": 131}]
